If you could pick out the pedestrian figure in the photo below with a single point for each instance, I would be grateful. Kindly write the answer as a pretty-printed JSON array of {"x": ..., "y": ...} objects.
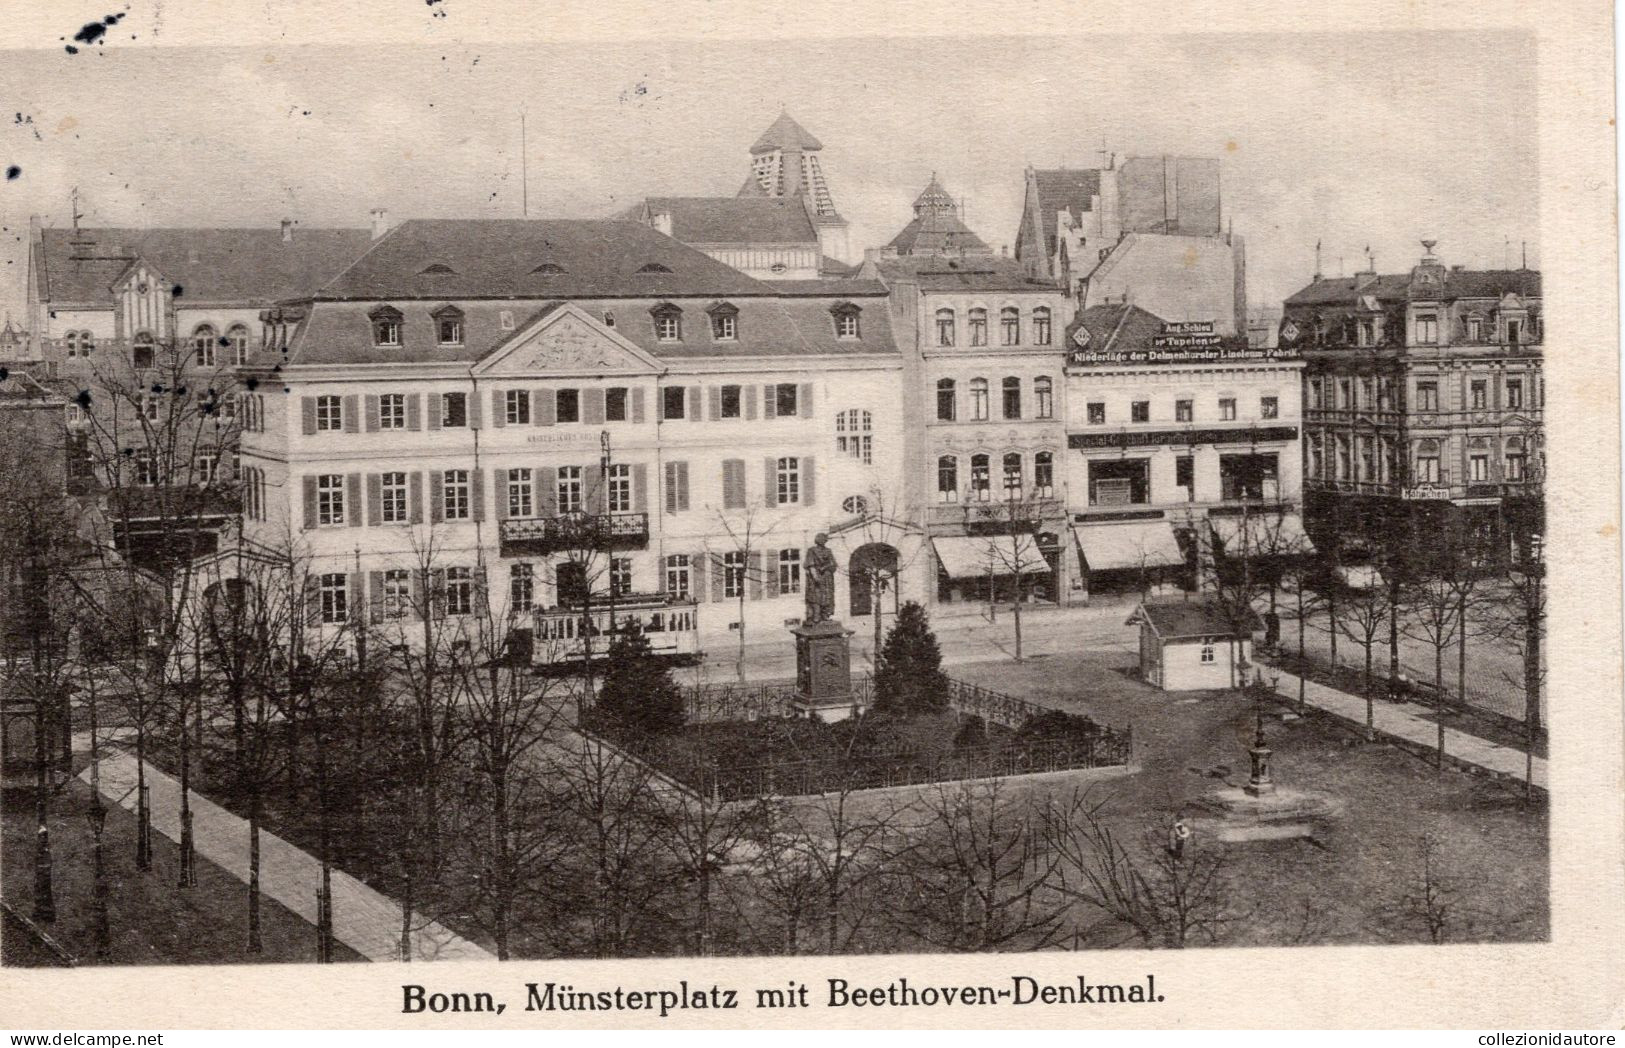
[
  {"x": 1178, "y": 834},
  {"x": 1272, "y": 630}
]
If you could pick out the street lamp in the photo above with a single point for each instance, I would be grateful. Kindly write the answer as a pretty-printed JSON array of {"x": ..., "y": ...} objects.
[{"x": 96, "y": 816}]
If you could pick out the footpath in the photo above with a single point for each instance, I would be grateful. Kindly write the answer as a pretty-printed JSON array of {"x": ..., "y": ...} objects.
[
  {"x": 1421, "y": 730},
  {"x": 363, "y": 919}
]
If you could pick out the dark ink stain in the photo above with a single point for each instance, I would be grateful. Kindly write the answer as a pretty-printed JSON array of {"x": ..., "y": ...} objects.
[
  {"x": 5, "y": 373},
  {"x": 83, "y": 399},
  {"x": 93, "y": 32},
  {"x": 177, "y": 292},
  {"x": 13, "y": 173},
  {"x": 253, "y": 384}
]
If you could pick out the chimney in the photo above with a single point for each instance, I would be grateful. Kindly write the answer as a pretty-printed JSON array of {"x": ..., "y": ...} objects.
[
  {"x": 662, "y": 222},
  {"x": 380, "y": 222},
  {"x": 287, "y": 230}
]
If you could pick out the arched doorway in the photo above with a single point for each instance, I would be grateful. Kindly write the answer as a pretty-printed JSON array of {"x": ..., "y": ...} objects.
[{"x": 871, "y": 562}]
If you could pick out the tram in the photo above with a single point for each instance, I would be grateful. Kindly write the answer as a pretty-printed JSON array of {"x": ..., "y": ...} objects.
[{"x": 564, "y": 635}]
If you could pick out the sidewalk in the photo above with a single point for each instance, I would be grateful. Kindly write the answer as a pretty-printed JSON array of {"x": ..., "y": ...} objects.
[
  {"x": 363, "y": 919},
  {"x": 1396, "y": 720}
]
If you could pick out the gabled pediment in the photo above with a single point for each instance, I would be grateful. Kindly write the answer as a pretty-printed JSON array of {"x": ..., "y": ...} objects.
[
  {"x": 1510, "y": 300},
  {"x": 140, "y": 274},
  {"x": 566, "y": 340}
]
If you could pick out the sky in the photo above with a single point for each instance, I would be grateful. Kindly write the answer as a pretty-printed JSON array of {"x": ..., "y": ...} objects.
[{"x": 1350, "y": 139}]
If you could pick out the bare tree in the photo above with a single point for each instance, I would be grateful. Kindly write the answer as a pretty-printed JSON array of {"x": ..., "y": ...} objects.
[
  {"x": 1156, "y": 893},
  {"x": 978, "y": 875},
  {"x": 1010, "y": 526},
  {"x": 515, "y": 837},
  {"x": 1362, "y": 614},
  {"x": 703, "y": 839},
  {"x": 738, "y": 563}
]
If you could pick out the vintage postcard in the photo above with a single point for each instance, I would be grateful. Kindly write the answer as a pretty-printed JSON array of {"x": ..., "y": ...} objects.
[{"x": 680, "y": 516}]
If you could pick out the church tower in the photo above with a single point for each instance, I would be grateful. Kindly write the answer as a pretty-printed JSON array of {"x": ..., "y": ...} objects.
[{"x": 784, "y": 163}]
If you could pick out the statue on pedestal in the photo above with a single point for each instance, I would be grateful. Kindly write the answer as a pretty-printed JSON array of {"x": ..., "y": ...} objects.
[{"x": 818, "y": 573}]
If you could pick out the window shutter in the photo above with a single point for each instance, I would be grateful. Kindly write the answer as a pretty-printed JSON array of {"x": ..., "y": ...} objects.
[
  {"x": 593, "y": 494},
  {"x": 804, "y": 402},
  {"x": 433, "y": 408},
  {"x": 499, "y": 409},
  {"x": 375, "y": 499},
  {"x": 313, "y": 601},
  {"x": 307, "y": 414},
  {"x": 310, "y": 502},
  {"x": 682, "y": 486},
  {"x": 437, "y": 496},
  {"x": 770, "y": 492},
  {"x": 473, "y": 402},
  {"x": 420, "y": 599},
  {"x": 375, "y": 598},
  {"x": 671, "y": 487},
  {"x": 547, "y": 490},
  {"x": 808, "y": 474},
  {"x": 499, "y": 487},
  {"x": 750, "y": 402},
  {"x": 770, "y": 403},
  {"x": 637, "y": 404},
  {"x": 697, "y": 576},
  {"x": 733, "y": 483},
  {"x": 414, "y": 411},
  {"x": 482, "y": 599},
  {"x": 593, "y": 410},
  {"x": 694, "y": 403},
  {"x": 753, "y": 568},
  {"x": 414, "y": 497},
  {"x": 476, "y": 494},
  {"x": 372, "y": 412},
  {"x": 352, "y": 500},
  {"x": 717, "y": 591},
  {"x": 770, "y": 577},
  {"x": 640, "y": 488},
  {"x": 544, "y": 409},
  {"x": 716, "y": 401},
  {"x": 436, "y": 603},
  {"x": 352, "y": 414},
  {"x": 356, "y": 597},
  {"x": 660, "y": 403}
]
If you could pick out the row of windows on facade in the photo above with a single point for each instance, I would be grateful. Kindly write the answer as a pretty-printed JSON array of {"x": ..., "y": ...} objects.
[
  {"x": 734, "y": 575},
  {"x": 150, "y": 470},
  {"x": 1184, "y": 410},
  {"x": 979, "y": 409},
  {"x": 1475, "y": 326},
  {"x": 333, "y": 413},
  {"x": 208, "y": 347},
  {"x": 666, "y": 319},
  {"x": 947, "y": 324},
  {"x": 1373, "y": 459},
  {"x": 1013, "y": 477},
  {"x": 395, "y": 496},
  {"x": 1376, "y": 394}
]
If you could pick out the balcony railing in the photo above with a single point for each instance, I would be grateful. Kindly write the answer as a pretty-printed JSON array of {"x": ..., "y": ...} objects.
[{"x": 539, "y": 536}]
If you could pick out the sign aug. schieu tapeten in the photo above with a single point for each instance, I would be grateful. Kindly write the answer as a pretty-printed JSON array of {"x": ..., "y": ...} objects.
[{"x": 1180, "y": 342}]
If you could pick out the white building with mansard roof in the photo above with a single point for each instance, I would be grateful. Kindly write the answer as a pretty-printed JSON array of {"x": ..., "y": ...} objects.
[{"x": 497, "y": 393}]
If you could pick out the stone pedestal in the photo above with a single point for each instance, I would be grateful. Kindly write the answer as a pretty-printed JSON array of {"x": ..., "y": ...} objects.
[{"x": 824, "y": 671}]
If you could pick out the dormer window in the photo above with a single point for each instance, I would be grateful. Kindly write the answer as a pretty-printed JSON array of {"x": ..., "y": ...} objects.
[
  {"x": 437, "y": 269},
  {"x": 386, "y": 326},
  {"x": 448, "y": 325},
  {"x": 724, "y": 322},
  {"x": 1475, "y": 328},
  {"x": 655, "y": 267},
  {"x": 846, "y": 320},
  {"x": 668, "y": 320},
  {"x": 548, "y": 269}
]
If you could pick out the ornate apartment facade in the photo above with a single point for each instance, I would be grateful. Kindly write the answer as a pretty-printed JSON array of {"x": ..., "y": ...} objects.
[
  {"x": 1182, "y": 445},
  {"x": 1424, "y": 401}
]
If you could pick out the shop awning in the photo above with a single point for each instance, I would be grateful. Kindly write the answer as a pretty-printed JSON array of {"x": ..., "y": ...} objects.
[
  {"x": 970, "y": 556},
  {"x": 1128, "y": 544},
  {"x": 1268, "y": 534}
]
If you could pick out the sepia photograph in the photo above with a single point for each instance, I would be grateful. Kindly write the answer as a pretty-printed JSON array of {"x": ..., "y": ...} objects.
[{"x": 933, "y": 493}]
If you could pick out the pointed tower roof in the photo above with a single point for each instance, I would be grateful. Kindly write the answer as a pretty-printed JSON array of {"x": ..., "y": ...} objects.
[
  {"x": 785, "y": 134},
  {"x": 937, "y": 228},
  {"x": 934, "y": 198}
]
